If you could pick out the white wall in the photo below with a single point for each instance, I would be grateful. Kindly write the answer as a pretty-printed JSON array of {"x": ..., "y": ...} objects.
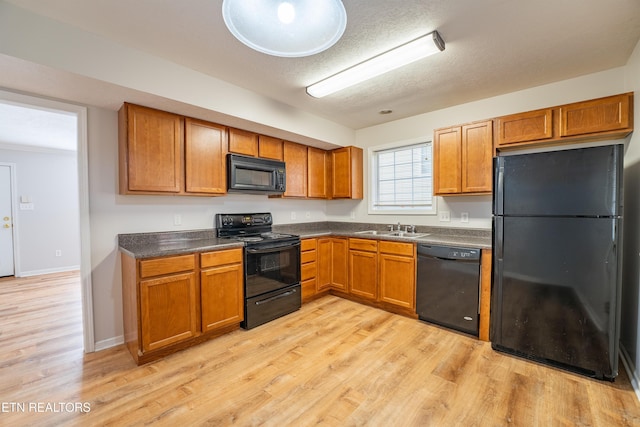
[
  {"x": 112, "y": 214},
  {"x": 591, "y": 86},
  {"x": 50, "y": 180}
]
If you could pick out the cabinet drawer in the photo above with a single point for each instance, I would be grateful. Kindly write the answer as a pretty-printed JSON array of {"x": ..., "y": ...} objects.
[
  {"x": 363, "y": 245},
  {"x": 308, "y": 271},
  {"x": 216, "y": 258},
  {"x": 308, "y": 256},
  {"x": 396, "y": 248},
  {"x": 308, "y": 288},
  {"x": 167, "y": 265},
  {"x": 307, "y": 244}
]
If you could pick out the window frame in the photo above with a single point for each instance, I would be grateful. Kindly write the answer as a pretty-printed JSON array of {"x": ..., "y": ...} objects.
[{"x": 373, "y": 179}]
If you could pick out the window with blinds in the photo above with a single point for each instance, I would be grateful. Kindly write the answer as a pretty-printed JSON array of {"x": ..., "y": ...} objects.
[{"x": 402, "y": 179}]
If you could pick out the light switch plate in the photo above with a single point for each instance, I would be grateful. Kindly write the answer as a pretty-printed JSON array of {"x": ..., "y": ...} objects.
[{"x": 445, "y": 216}]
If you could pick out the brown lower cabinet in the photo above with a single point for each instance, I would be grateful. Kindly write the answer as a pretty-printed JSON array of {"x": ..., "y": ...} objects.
[
  {"x": 397, "y": 270},
  {"x": 332, "y": 263},
  {"x": 170, "y": 303},
  {"x": 381, "y": 273}
]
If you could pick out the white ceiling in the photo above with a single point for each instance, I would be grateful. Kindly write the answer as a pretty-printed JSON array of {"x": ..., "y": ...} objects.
[
  {"x": 28, "y": 127},
  {"x": 493, "y": 47}
]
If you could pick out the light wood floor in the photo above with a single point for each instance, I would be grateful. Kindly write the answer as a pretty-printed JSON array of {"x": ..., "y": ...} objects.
[{"x": 333, "y": 363}]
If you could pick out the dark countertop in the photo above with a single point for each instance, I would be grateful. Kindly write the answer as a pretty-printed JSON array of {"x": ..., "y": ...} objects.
[
  {"x": 465, "y": 237},
  {"x": 149, "y": 245}
]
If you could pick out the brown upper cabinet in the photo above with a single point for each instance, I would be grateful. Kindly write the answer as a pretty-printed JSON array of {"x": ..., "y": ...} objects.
[
  {"x": 243, "y": 142},
  {"x": 163, "y": 153},
  {"x": 205, "y": 151},
  {"x": 317, "y": 173},
  {"x": 346, "y": 173},
  {"x": 462, "y": 158},
  {"x": 150, "y": 150},
  {"x": 610, "y": 117},
  {"x": 295, "y": 157},
  {"x": 270, "y": 148}
]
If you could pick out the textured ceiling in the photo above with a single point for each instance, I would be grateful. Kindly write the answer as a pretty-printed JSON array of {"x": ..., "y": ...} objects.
[{"x": 492, "y": 47}]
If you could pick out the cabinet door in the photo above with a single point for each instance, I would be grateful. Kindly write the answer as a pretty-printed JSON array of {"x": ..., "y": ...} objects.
[
  {"x": 152, "y": 141},
  {"x": 447, "y": 158},
  {"x": 295, "y": 157},
  {"x": 205, "y": 150},
  {"x": 317, "y": 163},
  {"x": 222, "y": 296},
  {"x": 323, "y": 260},
  {"x": 270, "y": 148},
  {"x": 523, "y": 127},
  {"x": 363, "y": 278},
  {"x": 168, "y": 310},
  {"x": 339, "y": 264},
  {"x": 243, "y": 142},
  {"x": 598, "y": 115},
  {"x": 346, "y": 173},
  {"x": 477, "y": 157},
  {"x": 397, "y": 278}
]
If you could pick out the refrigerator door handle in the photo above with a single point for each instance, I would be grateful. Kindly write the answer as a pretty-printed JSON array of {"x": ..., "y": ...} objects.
[{"x": 498, "y": 191}]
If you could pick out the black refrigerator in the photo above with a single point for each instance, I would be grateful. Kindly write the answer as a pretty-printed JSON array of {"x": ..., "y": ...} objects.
[{"x": 557, "y": 219}]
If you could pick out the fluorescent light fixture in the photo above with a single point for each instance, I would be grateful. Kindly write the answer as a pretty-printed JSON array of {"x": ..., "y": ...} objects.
[
  {"x": 287, "y": 28},
  {"x": 390, "y": 60}
]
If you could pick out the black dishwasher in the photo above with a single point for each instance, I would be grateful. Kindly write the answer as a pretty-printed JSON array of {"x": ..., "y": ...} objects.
[{"x": 448, "y": 285}]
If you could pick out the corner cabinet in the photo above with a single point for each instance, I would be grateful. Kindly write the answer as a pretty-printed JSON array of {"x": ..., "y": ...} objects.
[
  {"x": 163, "y": 153},
  {"x": 462, "y": 158},
  {"x": 332, "y": 263},
  {"x": 174, "y": 302}
]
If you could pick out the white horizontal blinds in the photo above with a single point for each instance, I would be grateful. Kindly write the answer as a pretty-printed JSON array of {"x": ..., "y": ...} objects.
[{"x": 404, "y": 177}]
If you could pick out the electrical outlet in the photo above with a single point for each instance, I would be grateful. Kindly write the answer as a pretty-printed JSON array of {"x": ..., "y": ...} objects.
[
  {"x": 353, "y": 214},
  {"x": 445, "y": 216},
  {"x": 177, "y": 219},
  {"x": 58, "y": 252},
  {"x": 293, "y": 215},
  {"x": 464, "y": 217}
]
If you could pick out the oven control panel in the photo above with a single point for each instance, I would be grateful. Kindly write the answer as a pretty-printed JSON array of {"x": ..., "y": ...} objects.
[{"x": 243, "y": 220}]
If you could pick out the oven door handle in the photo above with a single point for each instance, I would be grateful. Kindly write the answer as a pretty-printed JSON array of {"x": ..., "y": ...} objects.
[
  {"x": 283, "y": 295},
  {"x": 272, "y": 250}
]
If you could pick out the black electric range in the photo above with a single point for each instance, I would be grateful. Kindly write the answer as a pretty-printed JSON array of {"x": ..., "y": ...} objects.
[{"x": 271, "y": 266}]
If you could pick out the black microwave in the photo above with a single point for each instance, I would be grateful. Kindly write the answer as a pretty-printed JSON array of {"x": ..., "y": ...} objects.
[{"x": 255, "y": 175}]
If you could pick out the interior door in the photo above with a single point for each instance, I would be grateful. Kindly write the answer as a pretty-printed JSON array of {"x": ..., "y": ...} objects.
[{"x": 6, "y": 229}]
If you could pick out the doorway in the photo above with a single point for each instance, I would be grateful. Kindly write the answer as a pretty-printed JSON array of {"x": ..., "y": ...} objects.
[
  {"x": 79, "y": 137},
  {"x": 7, "y": 238}
]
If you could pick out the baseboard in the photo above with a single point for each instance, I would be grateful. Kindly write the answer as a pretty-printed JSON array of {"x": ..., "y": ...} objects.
[
  {"x": 109, "y": 342},
  {"x": 629, "y": 366},
  {"x": 48, "y": 271}
]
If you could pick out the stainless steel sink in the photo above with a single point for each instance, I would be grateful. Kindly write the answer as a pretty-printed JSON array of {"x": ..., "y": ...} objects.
[
  {"x": 406, "y": 234},
  {"x": 371, "y": 232}
]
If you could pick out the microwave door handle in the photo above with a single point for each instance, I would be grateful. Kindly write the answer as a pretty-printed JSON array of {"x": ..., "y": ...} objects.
[{"x": 271, "y": 250}]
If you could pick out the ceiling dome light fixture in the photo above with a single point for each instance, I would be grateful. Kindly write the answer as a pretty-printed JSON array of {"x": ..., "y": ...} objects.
[
  {"x": 397, "y": 57},
  {"x": 287, "y": 28}
]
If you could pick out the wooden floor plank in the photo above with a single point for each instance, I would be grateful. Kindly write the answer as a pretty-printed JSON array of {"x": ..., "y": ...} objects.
[{"x": 334, "y": 362}]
